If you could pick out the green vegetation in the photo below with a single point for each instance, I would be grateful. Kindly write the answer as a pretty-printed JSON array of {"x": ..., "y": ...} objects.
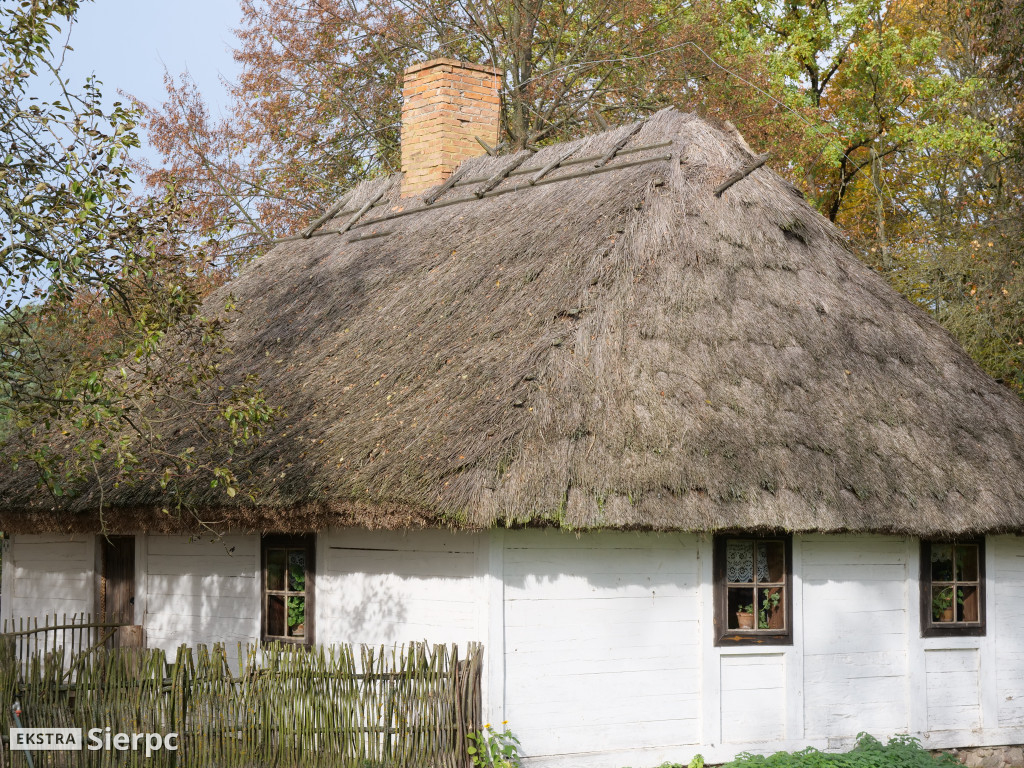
[
  {"x": 943, "y": 601},
  {"x": 494, "y": 749},
  {"x": 296, "y": 605},
  {"x": 101, "y": 327},
  {"x": 899, "y": 752}
]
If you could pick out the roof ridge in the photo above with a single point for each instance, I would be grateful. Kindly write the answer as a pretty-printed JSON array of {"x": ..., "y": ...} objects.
[
  {"x": 492, "y": 183},
  {"x": 335, "y": 210}
]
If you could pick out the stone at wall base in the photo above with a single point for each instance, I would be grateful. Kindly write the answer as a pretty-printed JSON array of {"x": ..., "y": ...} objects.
[{"x": 989, "y": 757}]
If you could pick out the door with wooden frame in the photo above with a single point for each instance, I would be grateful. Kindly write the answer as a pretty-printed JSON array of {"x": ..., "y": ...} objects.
[{"x": 115, "y": 583}]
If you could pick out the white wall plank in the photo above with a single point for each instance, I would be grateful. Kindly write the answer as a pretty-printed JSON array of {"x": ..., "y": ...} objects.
[
  {"x": 601, "y": 639},
  {"x": 1006, "y": 625},
  {"x": 753, "y": 697},
  {"x": 200, "y": 591},
  {"x": 954, "y": 699},
  {"x": 50, "y": 574},
  {"x": 393, "y": 587},
  {"x": 854, "y": 634}
]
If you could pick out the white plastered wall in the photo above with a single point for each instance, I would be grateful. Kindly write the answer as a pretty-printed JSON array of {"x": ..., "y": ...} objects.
[
  {"x": 602, "y": 640},
  {"x": 198, "y": 590},
  {"x": 599, "y": 648},
  {"x": 599, "y": 674},
  {"x": 855, "y": 628},
  {"x": 46, "y": 574},
  {"x": 383, "y": 587}
]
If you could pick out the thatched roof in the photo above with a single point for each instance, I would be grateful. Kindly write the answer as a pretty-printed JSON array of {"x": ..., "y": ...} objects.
[{"x": 617, "y": 350}]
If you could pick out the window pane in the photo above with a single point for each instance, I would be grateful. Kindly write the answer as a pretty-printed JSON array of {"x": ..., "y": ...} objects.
[
  {"x": 751, "y": 590},
  {"x": 741, "y": 608},
  {"x": 275, "y": 568},
  {"x": 771, "y": 561},
  {"x": 771, "y": 612},
  {"x": 275, "y": 615},
  {"x": 296, "y": 570},
  {"x": 942, "y": 562},
  {"x": 296, "y": 616},
  {"x": 967, "y": 562},
  {"x": 952, "y": 588},
  {"x": 967, "y": 604},
  {"x": 943, "y": 608},
  {"x": 739, "y": 561}
]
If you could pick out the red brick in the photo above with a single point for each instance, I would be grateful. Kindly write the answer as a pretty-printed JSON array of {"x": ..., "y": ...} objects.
[{"x": 445, "y": 105}]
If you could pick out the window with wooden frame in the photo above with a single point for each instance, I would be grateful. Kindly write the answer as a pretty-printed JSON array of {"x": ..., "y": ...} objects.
[
  {"x": 753, "y": 590},
  {"x": 953, "y": 588},
  {"x": 288, "y": 579}
]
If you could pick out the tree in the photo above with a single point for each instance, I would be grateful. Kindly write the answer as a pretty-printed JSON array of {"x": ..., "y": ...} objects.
[
  {"x": 101, "y": 324},
  {"x": 861, "y": 89},
  {"x": 961, "y": 242},
  {"x": 317, "y": 104},
  {"x": 896, "y": 121}
]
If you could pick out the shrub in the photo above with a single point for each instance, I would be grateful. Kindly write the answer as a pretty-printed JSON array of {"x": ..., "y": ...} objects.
[{"x": 900, "y": 752}]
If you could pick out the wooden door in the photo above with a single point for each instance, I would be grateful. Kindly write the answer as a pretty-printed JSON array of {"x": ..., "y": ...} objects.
[{"x": 117, "y": 579}]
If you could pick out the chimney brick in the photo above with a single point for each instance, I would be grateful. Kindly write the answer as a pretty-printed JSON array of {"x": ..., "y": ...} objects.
[{"x": 446, "y": 104}]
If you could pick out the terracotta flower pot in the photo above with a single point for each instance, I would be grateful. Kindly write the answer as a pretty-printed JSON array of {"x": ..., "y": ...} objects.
[
  {"x": 745, "y": 620},
  {"x": 947, "y": 615}
]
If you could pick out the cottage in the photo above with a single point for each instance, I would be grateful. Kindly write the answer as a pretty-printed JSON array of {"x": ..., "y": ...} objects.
[{"x": 627, "y": 411}]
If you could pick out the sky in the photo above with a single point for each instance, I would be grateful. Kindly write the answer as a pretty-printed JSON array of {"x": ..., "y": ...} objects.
[{"x": 127, "y": 44}]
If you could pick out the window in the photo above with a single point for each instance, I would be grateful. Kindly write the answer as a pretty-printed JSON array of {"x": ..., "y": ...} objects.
[
  {"x": 753, "y": 594},
  {"x": 288, "y": 575},
  {"x": 952, "y": 588}
]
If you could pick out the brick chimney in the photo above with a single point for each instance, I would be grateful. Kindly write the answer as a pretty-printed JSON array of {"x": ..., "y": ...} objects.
[{"x": 445, "y": 105}]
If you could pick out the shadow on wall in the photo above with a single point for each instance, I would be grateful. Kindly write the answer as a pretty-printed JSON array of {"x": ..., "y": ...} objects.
[
  {"x": 210, "y": 592},
  {"x": 372, "y": 611},
  {"x": 380, "y": 587},
  {"x": 202, "y": 592}
]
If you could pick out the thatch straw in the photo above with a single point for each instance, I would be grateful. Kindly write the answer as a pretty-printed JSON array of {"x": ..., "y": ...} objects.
[{"x": 624, "y": 350}]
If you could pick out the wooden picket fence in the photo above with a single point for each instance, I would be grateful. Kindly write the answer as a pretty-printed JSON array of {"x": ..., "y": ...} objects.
[
  {"x": 338, "y": 706},
  {"x": 74, "y": 635}
]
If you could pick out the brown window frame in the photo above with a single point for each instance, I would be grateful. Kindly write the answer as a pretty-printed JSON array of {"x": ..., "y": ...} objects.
[
  {"x": 932, "y": 628},
  {"x": 724, "y": 636},
  {"x": 306, "y": 542}
]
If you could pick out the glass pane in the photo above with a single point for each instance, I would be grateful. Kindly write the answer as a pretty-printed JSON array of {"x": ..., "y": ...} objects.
[
  {"x": 740, "y": 609},
  {"x": 967, "y": 604},
  {"x": 275, "y": 615},
  {"x": 739, "y": 561},
  {"x": 296, "y": 570},
  {"x": 942, "y": 604},
  {"x": 771, "y": 561},
  {"x": 942, "y": 562},
  {"x": 275, "y": 568},
  {"x": 967, "y": 562},
  {"x": 771, "y": 612},
  {"x": 296, "y": 616}
]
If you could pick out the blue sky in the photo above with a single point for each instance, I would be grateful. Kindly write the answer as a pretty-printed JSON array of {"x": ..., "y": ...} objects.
[{"x": 128, "y": 43}]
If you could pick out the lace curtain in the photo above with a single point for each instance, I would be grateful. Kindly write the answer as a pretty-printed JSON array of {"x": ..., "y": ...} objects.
[{"x": 739, "y": 561}]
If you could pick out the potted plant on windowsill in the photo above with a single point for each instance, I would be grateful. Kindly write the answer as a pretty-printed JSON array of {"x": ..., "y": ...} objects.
[
  {"x": 745, "y": 616},
  {"x": 942, "y": 604}
]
